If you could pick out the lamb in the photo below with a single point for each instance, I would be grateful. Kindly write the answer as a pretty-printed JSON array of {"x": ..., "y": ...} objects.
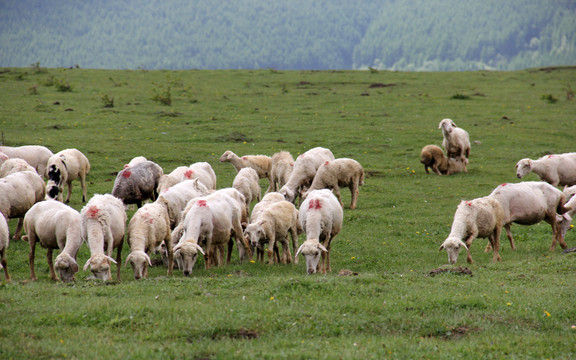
[
  {"x": 282, "y": 167},
  {"x": 103, "y": 226},
  {"x": 456, "y": 140},
  {"x": 148, "y": 228},
  {"x": 336, "y": 173},
  {"x": 4, "y": 241},
  {"x": 557, "y": 169},
  {"x": 64, "y": 167},
  {"x": 528, "y": 203},
  {"x": 11, "y": 166},
  {"x": 305, "y": 168},
  {"x": 433, "y": 157},
  {"x": 175, "y": 198},
  {"x": 246, "y": 182},
  {"x": 321, "y": 219},
  {"x": 478, "y": 218},
  {"x": 55, "y": 226},
  {"x": 261, "y": 163},
  {"x": 35, "y": 155},
  {"x": 137, "y": 183},
  {"x": 18, "y": 193},
  {"x": 275, "y": 223}
]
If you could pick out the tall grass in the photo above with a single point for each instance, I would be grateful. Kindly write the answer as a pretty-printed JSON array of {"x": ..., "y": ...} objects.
[{"x": 519, "y": 308}]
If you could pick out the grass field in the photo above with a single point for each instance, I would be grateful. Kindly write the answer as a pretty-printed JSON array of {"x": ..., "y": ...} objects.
[{"x": 520, "y": 308}]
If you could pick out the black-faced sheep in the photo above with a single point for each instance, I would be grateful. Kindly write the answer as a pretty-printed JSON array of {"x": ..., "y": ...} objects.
[
  {"x": 137, "y": 183},
  {"x": 64, "y": 167},
  {"x": 557, "y": 169}
]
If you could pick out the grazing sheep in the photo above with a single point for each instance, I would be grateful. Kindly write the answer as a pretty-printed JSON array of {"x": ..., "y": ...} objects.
[
  {"x": 136, "y": 160},
  {"x": 14, "y": 165},
  {"x": 282, "y": 166},
  {"x": 246, "y": 182},
  {"x": 148, "y": 228},
  {"x": 4, "y": 241},
  {"x": 456, "y": 140},
  {"x": 267, "y": 200},
  {"x": 557, "y": 170},
  {"x": 202, "y": 171},
  {"x": 321, "y": 219},
  {"x": 336, "y": 173},
  {"x": 274, "y": 224},
  {"x": 64, "y": 167},
  {"x": 305, "y": 168},
  {"x": 478, "y": 218},
  {"x": 528, "y": 203},
  {"x": 35, "y": 155},
  {"x": 432, "y": 157},
  {"x": 137, "y": 183},
  {"x": 168, "y": 180},
  {"x": 18, "y": 193},
  {"x": 175, "y": 198},
  {"x": 261, "y": 163},
  {"x": 55, "y": 226},
  {"x": 103, "y": 226}
]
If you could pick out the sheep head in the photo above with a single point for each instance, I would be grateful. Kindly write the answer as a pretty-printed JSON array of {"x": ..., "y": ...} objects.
[
  {"x": 452, "y": 246},
  {"x": 446, "y": 125},
  {"x": 253, "y": 234},
  {"x": 312, "y": 251},
  {"x": 52, "y": 190},
  {"x": 187, "y": 253},
  {"x": 139, "y": 261},
  {"x": 66, "y": 267},
  {"x": 288, "y": 194},
  {"x": 523, "y": 167},
  {"x": 100, "y": 266},
  {"x": 226, "y": 156}
]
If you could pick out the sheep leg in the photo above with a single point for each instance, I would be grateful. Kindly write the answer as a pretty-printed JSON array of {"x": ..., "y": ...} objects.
[
  {"x": 229, "y": 255},
  {"x": 32, "y": 242},
  {"x": 51, "y": 265},
  {"x": 119, "y": 259},
  {"x": 294, "y": 235},
  {"x": 242, "y": 242},
  {"x": 509, "y": 234},
  {"x": 286, "y": 251},
  {"x": 495, "y": 241},
  {"x": 4, "y": 264},
  {"x": 69, "y": 185},
  {"x": 18, "y": 232},
  {"x": 168, "y": 243},
  {"x": 83, "y": 184},
  {"x": 271, "y": 244},
  {"x": 354, "y": 191}
]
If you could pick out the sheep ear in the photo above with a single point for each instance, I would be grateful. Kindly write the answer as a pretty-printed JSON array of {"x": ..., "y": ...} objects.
[
  {"x": 87, "y": 264},
  {"x": 74, "y": 266},
  {"x": 112, "y": 260},
  {"x": 441, "y": 247},
  {"x": 200, "y": 249},
  {"x": 464, "y": 244},
  {"x": 148, "y": 258},
  {"x": 322, "y": 247},
  {"x": 176, "y": 248},
  {"x": 299, "y": 250},
  {"x": 127, "y": 259}
]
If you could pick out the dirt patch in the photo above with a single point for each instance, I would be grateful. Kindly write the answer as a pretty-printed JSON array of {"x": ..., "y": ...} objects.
[
  {"x": 456, "y": 270},
  {"x": 346, "y": 272},
  {"x": 239, "y": 334},
  {"x": 380, "y": 85},
  {"x": 454, "y": 333}
]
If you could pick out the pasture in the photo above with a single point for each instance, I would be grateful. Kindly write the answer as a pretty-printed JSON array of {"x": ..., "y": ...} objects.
[{"x": 389, "y": 305}]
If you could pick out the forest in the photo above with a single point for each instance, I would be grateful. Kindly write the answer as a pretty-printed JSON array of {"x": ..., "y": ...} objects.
[{"x": 419, "y": 35}]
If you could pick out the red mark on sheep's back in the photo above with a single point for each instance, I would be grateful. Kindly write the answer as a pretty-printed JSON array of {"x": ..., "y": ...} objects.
[
  {"x": 327, "y": 163},
  {"x": 126, "y": 166},
  {"x": 201, "y": 203},
  {"x": 469, "y": 203},
  {"x": 126, "y": 174},
  {"x": 188, "y": 174},
  {"x": 504, "y": 184},
  {"x": 315, "y": 204},
  {"x": 92, "y": 211},
  {"x": 243, "y": 157}
]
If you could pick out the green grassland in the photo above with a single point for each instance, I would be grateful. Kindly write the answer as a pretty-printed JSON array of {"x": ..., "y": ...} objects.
[{"x": 520, "y": 308}]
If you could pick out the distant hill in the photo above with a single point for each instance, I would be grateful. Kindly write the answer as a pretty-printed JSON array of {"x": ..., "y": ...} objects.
[{"x": 297, "y": 34}]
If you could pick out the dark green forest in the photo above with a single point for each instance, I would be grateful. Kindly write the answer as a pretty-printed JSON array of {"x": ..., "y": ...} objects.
[{"x": 417, "y": 35}]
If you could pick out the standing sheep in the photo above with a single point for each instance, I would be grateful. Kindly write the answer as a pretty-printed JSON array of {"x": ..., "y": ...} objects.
[
  {"x": 35, "y": 155},
  {"x": 246, "y": 182},
  {"x": 137, "y": 183},
  {"x": 456, "y": 140},
  {"x": 282, "y": 167},
  {"x": 64, "y": 167},
  {"x": 4, "y": 241},
  {"x": 432, "y": 157},
  {"x": 168, "y": 180},
  {"x": 55, "y": 226},
  {"x": 557, "y": 170},
  {"x": 103, "y": 226},
  {"x": 478, "y": 218},
  {"x": 321, "y": 219},
  {"x": 175, "y": 198},
  {"x": 261, "y": 163},
  {"x": 336, "y": 173},
  {"x": 305, "y": 168},
  {"x": 148, "y": 228},
  {"x": 202, "y": 171}
]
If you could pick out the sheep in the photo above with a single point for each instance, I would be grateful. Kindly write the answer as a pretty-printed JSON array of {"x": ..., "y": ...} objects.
[
  {"x": 103, "y": 226},
  {"x": 246, "y": 182},
  {"x": 336, "y": 173},
  {"x": 18, "y": 193},
  {"x": 433, "y": 157},
  {"x": 148, "y": 228},
  {"x": 136, "y": 160},
  {"x": 282, "y": 166},
  {"x": 321, "y": 219},
  {"x": 64, "y": 167},
  {"x": 168, "y": 180},
  {"x": 275, "y": 223},
  {"x": 556, "y": 169},
  {"x": 13, "y": 165},
  {"x": 137, "y": 183},
  {"x": 202, "y": 171},
  {"x": 4, "y": 241},
  {"x": 261, "y": 163},
  {"x": 456, "y": 140},
  {"x": 305, "y": 168},
  {"x": 267, "y": 200},
  {"x": 55, "y": 226},
  {"x": 528, "y": 203},
  {"x": 175, "y": 198},
  {"x": 35, "y": 155},
  {"x": 478, "y": 218}
]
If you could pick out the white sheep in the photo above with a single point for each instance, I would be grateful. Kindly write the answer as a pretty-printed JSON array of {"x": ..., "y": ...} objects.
[
  {"x": 148, "y": 228},
  {"x": 267, "y": 200},
  {"x": 35, "y": 155},
  {"x": 137, "y": 183},
  {"x": 305, "y": 168},
  {"x": 18, "y": 193},
  {"x": 282, "y": 167},
  {"x": 433, "y": 157},
  {"x": 261, "y": 163},
  {"x": 4, "y": 241},
  {"x": 136, "y": 160},
  {"x": 321, "y": 219},
  {"x": 55, "y": 226},
  {"x": 64, "y": 167},
  {"x": 13, "y": 165},
  {"x": 246, "y": 182},
  {"x": 103, "y": 226},
  {"x": 176, "y": 197},
  {"x": 556, "y": 169},
  {"x": 478, "y": 218},
  {"x": 202, "y": 171},
  {"x": 456, "y": 140},
  {"x": 528, "y": 203},
  {"x": 336, "y": 173},
  {"x": 171, "y": 179},
  {"x": 274, "y": 224}
]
